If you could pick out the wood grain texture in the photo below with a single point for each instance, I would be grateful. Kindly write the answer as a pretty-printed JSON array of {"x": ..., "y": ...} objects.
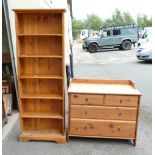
[
  {"x": 102, "y": 112},
  {"x": 44, "y": 135},
  {"x": 40, "y": 45},
  {"x": 102, "y": 128},
  {"x": 120, "y": 100},
  {"x": 103, "y": 109},
  {"x": 84, "y": 99},
  {"x": 41, "y": 78},
  {"x": 123, "y": 87},
  {"x": 41, "y": 66}
]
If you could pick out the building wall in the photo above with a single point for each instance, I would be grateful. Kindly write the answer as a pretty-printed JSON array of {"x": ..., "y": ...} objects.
[{"x": 5, "y": 43}]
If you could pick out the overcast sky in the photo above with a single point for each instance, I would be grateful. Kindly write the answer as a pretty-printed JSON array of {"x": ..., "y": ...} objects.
[{"x": 105, "y": 8}]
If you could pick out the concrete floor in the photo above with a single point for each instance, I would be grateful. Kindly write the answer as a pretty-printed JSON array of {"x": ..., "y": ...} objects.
[
  {"x": 141, "y": 74},
  {"x": 11, "y": 121}
]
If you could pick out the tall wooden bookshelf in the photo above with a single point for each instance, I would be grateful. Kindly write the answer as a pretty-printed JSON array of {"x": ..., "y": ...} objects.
[{"x": 40, "y": 61}]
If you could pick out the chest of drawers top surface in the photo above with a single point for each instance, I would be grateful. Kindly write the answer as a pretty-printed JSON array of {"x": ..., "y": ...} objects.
[{"x": 91, "y": 86}]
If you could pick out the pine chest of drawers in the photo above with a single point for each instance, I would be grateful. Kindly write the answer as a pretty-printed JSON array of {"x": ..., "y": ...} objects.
[{"x": 103, "y": 109}]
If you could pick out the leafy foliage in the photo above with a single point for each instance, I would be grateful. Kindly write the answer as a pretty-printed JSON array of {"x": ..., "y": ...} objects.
[
  {"x": 93, "y": 22},
  {"x": 144, "y": 21}
]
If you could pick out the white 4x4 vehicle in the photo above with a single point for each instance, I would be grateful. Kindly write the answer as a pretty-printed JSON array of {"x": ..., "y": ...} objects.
[
  {"x": 147, "y": 35},
  {"x": 86, "y": 33}
]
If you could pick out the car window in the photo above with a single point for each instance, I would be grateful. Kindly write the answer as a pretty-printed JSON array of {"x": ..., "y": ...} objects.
[
  {"x": 116, "y": 32},
  {"x": 144, "y": 35},
  {"x": 106, "y": 33},
  {"x": 83, "y": 33}
]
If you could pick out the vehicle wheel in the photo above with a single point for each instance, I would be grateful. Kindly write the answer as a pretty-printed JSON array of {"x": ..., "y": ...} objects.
[
  {"x": 83, "y": 47},
  {"x": 93, "y": 48},
  {"x": 126, "y": 45}
]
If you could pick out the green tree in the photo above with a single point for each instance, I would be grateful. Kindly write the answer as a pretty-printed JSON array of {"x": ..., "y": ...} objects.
[
  {"x": 117, "y": 18},
  {"x": 107, "y": 22},
  {"x": 128, "y": 18},
  {"x": 93, "y": 22},
  {"x": 77, "y": 26},
  {"x": 143, "y": 21}
]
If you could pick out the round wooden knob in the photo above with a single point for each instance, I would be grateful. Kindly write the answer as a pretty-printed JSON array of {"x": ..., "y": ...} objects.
[
  {"x": 121, "y": 101},
  {"x": 86, "y": 99},
  {"x": 75, "y": 96},
  {"x": 111, "y": 125},
  {"x": 119, "y": 114}
]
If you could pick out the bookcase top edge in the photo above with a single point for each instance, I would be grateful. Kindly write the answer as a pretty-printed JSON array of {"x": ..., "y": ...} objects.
[{"x": 39, "y": 10}]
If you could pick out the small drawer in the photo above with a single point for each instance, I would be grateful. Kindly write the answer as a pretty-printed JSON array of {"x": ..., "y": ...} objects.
[
  {"x": 87, "y": 99},
  {"x": 120, "y": 100},
  {"x": 103, "y": 112},
  {"x": 102, "y": 128}
]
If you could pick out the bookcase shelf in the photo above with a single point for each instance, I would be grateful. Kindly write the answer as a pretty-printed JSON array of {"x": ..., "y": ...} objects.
[
  {"x": 41, "y": 66},
  {"x": 42, "y": 115},
  {"x": 39, "y": 35},
  {"x": 42, "y": 96},
  {"x": 40, "y": 56},
  {"x": 41, "y": 80},
  {"x": 40, "y": 77}
]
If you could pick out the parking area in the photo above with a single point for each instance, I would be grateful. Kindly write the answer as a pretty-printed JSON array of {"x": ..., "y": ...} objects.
[{"x": 103, "y": 56}]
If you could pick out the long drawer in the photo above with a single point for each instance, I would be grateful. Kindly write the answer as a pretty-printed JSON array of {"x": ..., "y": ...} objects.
[
  {"x": 121, "y": 100},
  {"x": 103, "y": 112},
  {"x": 87, "y": 99},
  {"x": 102, "y": 128}
]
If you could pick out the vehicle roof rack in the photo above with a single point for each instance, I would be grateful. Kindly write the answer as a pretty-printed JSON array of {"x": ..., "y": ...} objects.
[{"x": 119, "y": 27}]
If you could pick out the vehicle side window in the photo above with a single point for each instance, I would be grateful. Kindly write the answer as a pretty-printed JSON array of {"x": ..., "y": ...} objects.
[
  {"x": 144, "y": 36},
  {"x": 83, "y": 32},
  {"x": 116, "y": 32},
  {"x": 108, "y": 33}
]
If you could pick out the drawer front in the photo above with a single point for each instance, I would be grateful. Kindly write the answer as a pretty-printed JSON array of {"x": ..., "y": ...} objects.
[
  {"x": 87, "y": 99},
  {"x": 120, "y": 100},
  {"x": 102, "y": 128},
  {"x": 103, "y": 112}
]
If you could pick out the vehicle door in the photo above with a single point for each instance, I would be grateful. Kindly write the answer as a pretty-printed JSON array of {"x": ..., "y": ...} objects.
[
  {"x": 106, "y": 38},
  {"x": 116, "y": 36}
]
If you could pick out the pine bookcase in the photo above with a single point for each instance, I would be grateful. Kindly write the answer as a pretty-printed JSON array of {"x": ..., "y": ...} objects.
[{"x": 41, "y": 79}]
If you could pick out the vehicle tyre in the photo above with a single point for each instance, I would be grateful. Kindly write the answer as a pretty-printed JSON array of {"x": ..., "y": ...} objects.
[
  {"x": 126, "y": 45},
  {"x": 93, "y": 48},
  {"x": 83, "y": 47}
]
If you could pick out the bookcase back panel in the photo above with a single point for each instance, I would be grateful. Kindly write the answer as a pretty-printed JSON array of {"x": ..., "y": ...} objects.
[
  {"x": 41, "y": 105},
  {"x": 41, "y": 86},
  {"x": 41, "y": 66},
  {"x": 41, "y": 124},
  {"x": 42, "y": 45},
  {"x": 45, "y": 23}
]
